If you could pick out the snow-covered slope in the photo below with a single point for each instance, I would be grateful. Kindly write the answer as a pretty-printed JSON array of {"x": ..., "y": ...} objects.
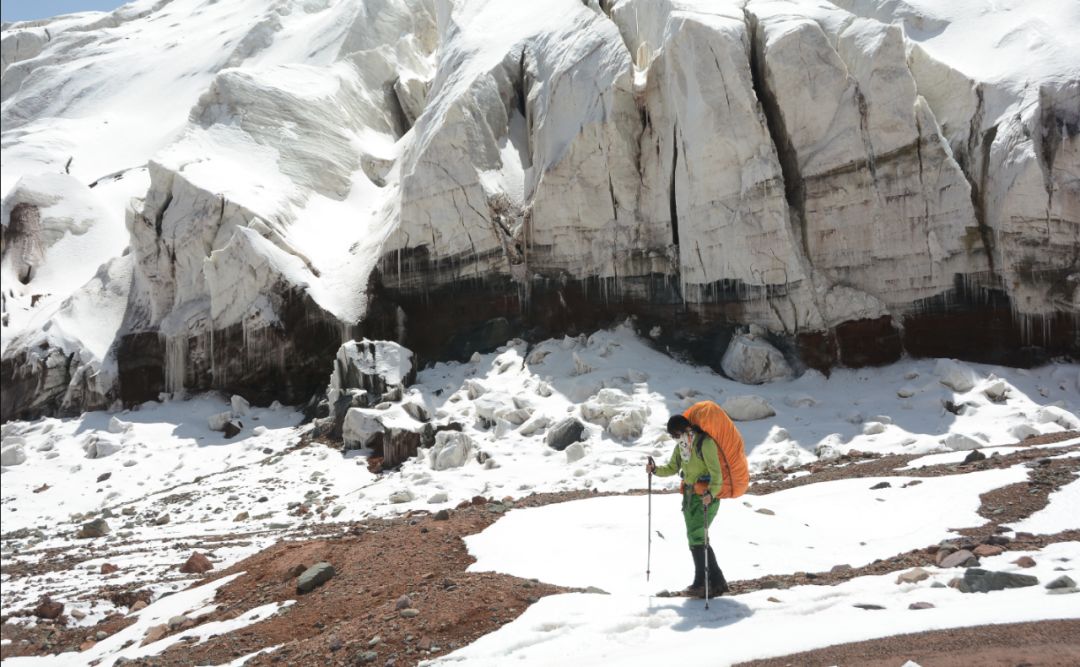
[{"x": 860, "y": 177}]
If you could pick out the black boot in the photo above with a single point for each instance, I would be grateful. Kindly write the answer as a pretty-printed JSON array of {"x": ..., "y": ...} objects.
[
  {"x": 717, "y": 584},
  {"x": 697, "y": 589}
]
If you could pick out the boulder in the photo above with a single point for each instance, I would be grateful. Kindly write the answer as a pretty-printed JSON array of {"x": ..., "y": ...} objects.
[
  {"x": 100, "y": 446},
  {"x": 376, "y": 366},
  {"x": 402, "y": 496},
  {"x": 959, "y": 441},
  {"x": 118, "y": 426},
  {"x": 977, "y": 580},
  {"x": 988, "y": 550},
  {"x": 95, "y": 528},
  {"x": 622, "y": 415},
  {"x": 391, "y": 434},
  {"x": 313, "y": 577},
  {"x": 996, "y": 390},
  {"x": 196, "y": 563},
  {"x": 451, "y": 450},
  {"x": 233, "y": 427},
  {"x": 912, "y": 576},
  {"x": 565, "y": 433},
  {"x": 748, "y": 408},
  {"x": 961, "y": 558},
  {"x": 1051, "y": 414},
  {"x": 1024, "y": 431},
  {"x": 49, "y": 608},
  {"x": 13, "y": 455},
  {"x": 1064, "y": 581},
  {"x": 752, "y": 360}
]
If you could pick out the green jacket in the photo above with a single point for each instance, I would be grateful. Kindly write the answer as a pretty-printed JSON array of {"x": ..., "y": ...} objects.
[{"x": 704, "y": 461}]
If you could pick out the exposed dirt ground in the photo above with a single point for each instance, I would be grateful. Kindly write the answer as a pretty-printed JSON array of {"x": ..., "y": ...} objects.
[{"x": 353, "y": 618}]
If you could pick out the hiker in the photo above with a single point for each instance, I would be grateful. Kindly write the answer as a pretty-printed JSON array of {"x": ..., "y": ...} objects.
[{"x": 696, "y": 459}]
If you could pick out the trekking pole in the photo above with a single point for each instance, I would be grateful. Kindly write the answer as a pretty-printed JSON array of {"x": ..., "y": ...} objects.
[
  {"x": 705, "y": 511},
  {"x": 648, "y": 552}
]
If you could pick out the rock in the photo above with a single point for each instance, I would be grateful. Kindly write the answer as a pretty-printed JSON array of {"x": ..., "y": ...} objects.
[
  {"x": 409, "y": 613},
  {"x": 974, "y": 457},
  {"x": 961, "y": 558},
  {"x": 138, "y": 606},
  {"x": 752, "y": 360},
  {"x": 366, "y": 657},
  {"x": 1025, "y": 561},
  {"x": 242, "y": 516},
  {"x": 1064, "y": 581},
  {"x": 233, "y": 427},
  {"x": 99, "y": 446},
  {"x": 912, "y": 576},
  {"x": 217, "y": 422},
  {"x": 575, "y": 452},
  {"x": 880, "y": 485},
  {"x": 451, "y": 450},
  {"x": 765, "y": 511},
  {"x": 313, "y": 577},
  {"x": 565, "y": 433},
  {"x": 403, "y": 602},
  {"x": 1024, "y": 431},
  {"x": 868, "y": 607},
  {"x": 103, "y": 476},
  {"x": 977, "y": 580},
  {"x": 95, "y": 528},
  {"x": 747, "y": 408},
  {"x": 438, "y": 497},
  {"x": 77, "y": 614},
  {"x": 623, "y": 415},
  {"x": 155, "y": 633},
  {"x": 109, "y": 568},
  {"x": 48, "y": 608},
  {"x": 988, "y": 550},
  {"x": 955, "y": 375},
  {"x": 402, "y": 496},
  {"x": 162, "y": 519},
  {"x": 178, "y": 621},
  {"x": 997, "y": 391},
  {"x": 920, "y": 605},
  {"x": 873, "y": 428},
  {"x": 240, "y": 406},
  {"x": 442, "y": 515},
  {"x": 196, "y": 563},
  {"x": 907, "y": 391}
]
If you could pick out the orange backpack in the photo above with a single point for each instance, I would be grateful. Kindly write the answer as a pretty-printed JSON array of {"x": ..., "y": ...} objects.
[{"x": 712, "y": 419}]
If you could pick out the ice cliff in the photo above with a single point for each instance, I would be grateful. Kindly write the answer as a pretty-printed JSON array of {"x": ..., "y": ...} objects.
[{"x": 217, "y": 194}]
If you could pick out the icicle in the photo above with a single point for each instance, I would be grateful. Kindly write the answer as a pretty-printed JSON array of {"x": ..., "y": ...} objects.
[{"x": 175, "y": 358}]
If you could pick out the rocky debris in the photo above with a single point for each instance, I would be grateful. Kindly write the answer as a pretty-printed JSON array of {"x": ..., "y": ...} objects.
[
  {"x": 48, "y": 608},
  {"x": 912, "y": 576},
  {"x": 197, "y": 563},
  {"x": 961, "y": 558},
  {"x": 232, "y": 428},
  {"x": 1025, "y": 561},
  {"x": 1064, "y": 581},
  {"x": 977, "y": 580},
  {"x": 13, "y": 455},
  {"x": 451, "y": 450},
  {"x": 95, "y": 528},
  {"x": 313, "y": 577},
  {"x": 752, "y": 360},
  {"x": 565, "y": 433},
  {"x": 747, "y": 408},
  {"x": 988, "y": 550}
]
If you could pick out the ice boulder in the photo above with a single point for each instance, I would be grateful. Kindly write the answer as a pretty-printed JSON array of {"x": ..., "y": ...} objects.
[
  {"x": 378, "y": 367},
  {"x": 622, "y": 415},
  {"x": 575, "y": 452},
  {"x": 955, "y": 375},
  {"x": 959, "y": 441},
  {"x": 98, "y": 447},
  {"x": 752, "y": 360},
  {"x": 118, "y": 426},
  {"x": 452, "y": 450},
  {"x": 1052, "y": 414},
  {"x": 1024, "y": 431},
  {"x": 240, "y": 406},
  {"x": 747, "y": 408},
  {"x": 391, "y": 434},
  {"x": 217, "y": 422},
  {"x": 12, "y": 455}
]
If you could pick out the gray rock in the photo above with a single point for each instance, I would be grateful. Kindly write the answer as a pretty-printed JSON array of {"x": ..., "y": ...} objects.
[
  {"x": 95, "y": 528},
  {"x": 403, "y": 602},
  {"x": 977, "y": 580},
  {"x": 752, "y": 360},
  {"x": 912, "y": 576},
  {"x": 564, "y": 434},
  {"x": 233, "y": 428},
  {"x": 313, "y": 577},
  {"x": 1064, "y": 581},
  {"x": 920, "y": 605},
  {"x": 409, "y": 613}
]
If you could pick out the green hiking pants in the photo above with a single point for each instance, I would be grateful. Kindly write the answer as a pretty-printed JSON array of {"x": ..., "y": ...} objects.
[{"x": 694, "y": 516}]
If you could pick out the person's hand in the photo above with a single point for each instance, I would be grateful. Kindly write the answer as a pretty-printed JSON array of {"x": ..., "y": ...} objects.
[
  {"x": 706, "y": 499},
  {"x": 650, "y": 466}
]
